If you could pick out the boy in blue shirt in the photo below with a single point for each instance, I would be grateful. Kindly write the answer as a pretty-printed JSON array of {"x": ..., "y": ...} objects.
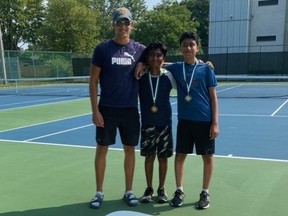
[{"x": 197, "y": 115}]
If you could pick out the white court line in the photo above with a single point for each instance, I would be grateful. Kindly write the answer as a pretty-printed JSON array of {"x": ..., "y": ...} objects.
[
  {"x": 277, "y": 110},
  {"x": 246, "y": 115},
  {"x": 47, "y": 122},
  {"x": 27, "y": 102},
  {"x": 226, "y": 89},
  {"x": 118, "y": 149},
  {"x": 59, "y": 132},
  {"x": 253, "y": 115}
]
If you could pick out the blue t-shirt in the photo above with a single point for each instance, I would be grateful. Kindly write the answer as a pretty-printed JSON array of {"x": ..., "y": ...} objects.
[
  {"x": 164, "y": 114},
  {"x": 199, "y": 108},
  {"x": 119, "y": 88}
]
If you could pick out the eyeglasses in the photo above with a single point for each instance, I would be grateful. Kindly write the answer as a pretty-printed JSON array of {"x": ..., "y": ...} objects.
[{"x": 120, "y": 23}]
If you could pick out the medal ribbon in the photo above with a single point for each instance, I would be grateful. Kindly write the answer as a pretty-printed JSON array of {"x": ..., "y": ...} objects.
[
  {"x": 156, "y": 88},
  {"x": 192, "y": 75}
]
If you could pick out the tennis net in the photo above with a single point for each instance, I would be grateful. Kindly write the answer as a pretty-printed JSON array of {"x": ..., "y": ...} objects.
[
  {"x": 229, "y": 86},
  {"x": 61, "y": 86},
  {"x": 247, "y": 86}
]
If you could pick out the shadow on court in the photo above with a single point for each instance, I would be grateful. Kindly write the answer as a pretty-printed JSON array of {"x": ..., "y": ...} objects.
[{"x": 80, "y": 209}]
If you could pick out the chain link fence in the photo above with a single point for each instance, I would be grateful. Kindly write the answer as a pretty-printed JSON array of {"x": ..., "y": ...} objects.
[
  {"x": 32, "y": 64},
  {"x": 37, "y": 64}
]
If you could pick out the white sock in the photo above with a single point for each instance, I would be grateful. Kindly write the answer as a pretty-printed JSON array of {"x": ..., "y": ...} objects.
[
  {"x": 205, "y": 190},
  {"x": 128, "y": 192},
  {"x": 180, "y": 188},
  {"x": 99, "y": 192}
]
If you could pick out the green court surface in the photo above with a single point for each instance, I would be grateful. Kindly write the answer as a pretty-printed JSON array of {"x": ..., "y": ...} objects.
[{"x": 46, "y": 180}]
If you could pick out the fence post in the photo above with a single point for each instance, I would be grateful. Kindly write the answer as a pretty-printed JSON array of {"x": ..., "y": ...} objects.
[{"x": 2, "y": 55}]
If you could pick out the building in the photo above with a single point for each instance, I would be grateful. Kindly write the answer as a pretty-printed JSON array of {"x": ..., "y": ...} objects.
[{"x": 248, "y": 26}]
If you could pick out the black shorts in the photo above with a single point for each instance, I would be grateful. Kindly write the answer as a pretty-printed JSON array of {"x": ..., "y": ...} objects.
[
  {"x": 127, "y": 122},
  {"x": 156, "y": 140},
  {"x": 190, "y": 133}
]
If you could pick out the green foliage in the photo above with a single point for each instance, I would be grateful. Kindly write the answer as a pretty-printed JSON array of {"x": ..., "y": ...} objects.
[
  {"x": 78, "y": 25},
  {"x": 200, "y": 13},
  {"x": 19, "y": 20},
  {"x": 105, "y": 9},
  {"x": 68, "y": 26},
  {"x": 59, "y": 66},
  {"x": 165, "y": 23},
  {"x": 38, "y": 64}
]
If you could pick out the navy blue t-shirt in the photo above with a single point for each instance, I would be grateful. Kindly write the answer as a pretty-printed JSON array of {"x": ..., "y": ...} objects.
[
  {"x": 164, "y": 114},
  {"x": 119, "y": 88}
]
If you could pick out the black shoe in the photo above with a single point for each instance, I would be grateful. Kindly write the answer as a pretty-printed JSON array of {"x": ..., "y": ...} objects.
[
  {"x": 161, "y": 195},
  {"x": 147, "y": 196},
  {"x": 178, "y": 198},
  {"x": 203, "y": 202}
]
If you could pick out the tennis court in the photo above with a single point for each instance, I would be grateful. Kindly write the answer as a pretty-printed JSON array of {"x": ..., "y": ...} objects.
[{"x": 47, "y": 150}]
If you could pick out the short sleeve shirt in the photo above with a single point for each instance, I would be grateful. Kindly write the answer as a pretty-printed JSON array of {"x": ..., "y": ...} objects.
[{"x": 119, "y": 87}]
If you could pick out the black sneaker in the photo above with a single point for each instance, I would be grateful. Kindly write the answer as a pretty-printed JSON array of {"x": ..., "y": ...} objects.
[
  {"x": 203, "y": 202},
  {"x": 162, "y": 196},
  {"x": 178, "y": 198},
  {"x": 147, "y": 196}
]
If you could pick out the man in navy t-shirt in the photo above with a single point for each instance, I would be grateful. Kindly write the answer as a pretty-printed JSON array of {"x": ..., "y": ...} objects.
[{"x": 112, "y": 66}]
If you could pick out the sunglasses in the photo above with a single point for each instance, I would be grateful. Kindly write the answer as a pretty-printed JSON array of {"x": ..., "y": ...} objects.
[{"x": 120, "y": 23}]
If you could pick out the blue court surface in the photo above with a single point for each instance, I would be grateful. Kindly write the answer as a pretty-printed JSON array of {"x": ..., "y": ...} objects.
[{"x": 249, "y": 127}]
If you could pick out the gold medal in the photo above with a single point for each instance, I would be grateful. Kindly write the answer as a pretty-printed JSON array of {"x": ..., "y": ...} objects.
[
  {"x": 154, "y": 109},
  {"x": 188, "y": 98}
]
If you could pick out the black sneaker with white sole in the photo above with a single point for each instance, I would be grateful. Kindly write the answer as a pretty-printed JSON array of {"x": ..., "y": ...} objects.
[
  {"x": 203, "y": 202},
  {"x": 147, "y": 196},
  {"x": 161, "y": 195},
  {"x": 178, "y": 198}
]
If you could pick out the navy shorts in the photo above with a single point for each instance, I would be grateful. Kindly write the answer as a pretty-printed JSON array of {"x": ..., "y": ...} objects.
[
  {"x": 156, "y": 140},
  {"x": 190, "y": 134},
  {"x": 126, "y": 120}
]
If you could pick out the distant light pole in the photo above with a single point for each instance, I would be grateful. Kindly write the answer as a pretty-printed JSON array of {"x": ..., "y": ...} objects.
[{"x": 2, "y": 55}]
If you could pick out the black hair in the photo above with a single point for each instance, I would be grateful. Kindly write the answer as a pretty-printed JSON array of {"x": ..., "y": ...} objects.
[
  {"x": 190, "y": 35},
  {"x": 153, "y": 46}
]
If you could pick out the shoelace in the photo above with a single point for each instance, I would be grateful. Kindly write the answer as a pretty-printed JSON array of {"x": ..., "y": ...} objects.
[
  {"x": 179, "y": 194},
  {"x": 148, "y": 192}
]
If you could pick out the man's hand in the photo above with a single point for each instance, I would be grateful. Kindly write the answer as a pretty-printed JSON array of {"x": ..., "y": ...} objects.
[
  {"x": 138, "y": 70},
  {"x": 210, "y": 64}
]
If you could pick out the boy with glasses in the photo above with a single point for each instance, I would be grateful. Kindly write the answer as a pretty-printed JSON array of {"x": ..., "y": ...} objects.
[{"x": 113, "y": 65}]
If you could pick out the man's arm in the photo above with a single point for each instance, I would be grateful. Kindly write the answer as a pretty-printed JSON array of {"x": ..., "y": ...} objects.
[{"x": 97, "y": 118}]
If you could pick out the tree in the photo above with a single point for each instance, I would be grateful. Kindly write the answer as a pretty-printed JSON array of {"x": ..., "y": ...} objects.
[
  {"x": 105, "y": 9},
  {"x": 138, "y": 8},
  {"x": 68, "y": 26},
  {"x": 165, "y": 23},
  {"x": 20, "y": 20},
  {"x": 199, "y": 12}
]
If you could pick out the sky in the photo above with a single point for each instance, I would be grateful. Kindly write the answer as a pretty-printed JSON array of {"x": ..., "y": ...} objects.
[{"x": 151, "y": 3}]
